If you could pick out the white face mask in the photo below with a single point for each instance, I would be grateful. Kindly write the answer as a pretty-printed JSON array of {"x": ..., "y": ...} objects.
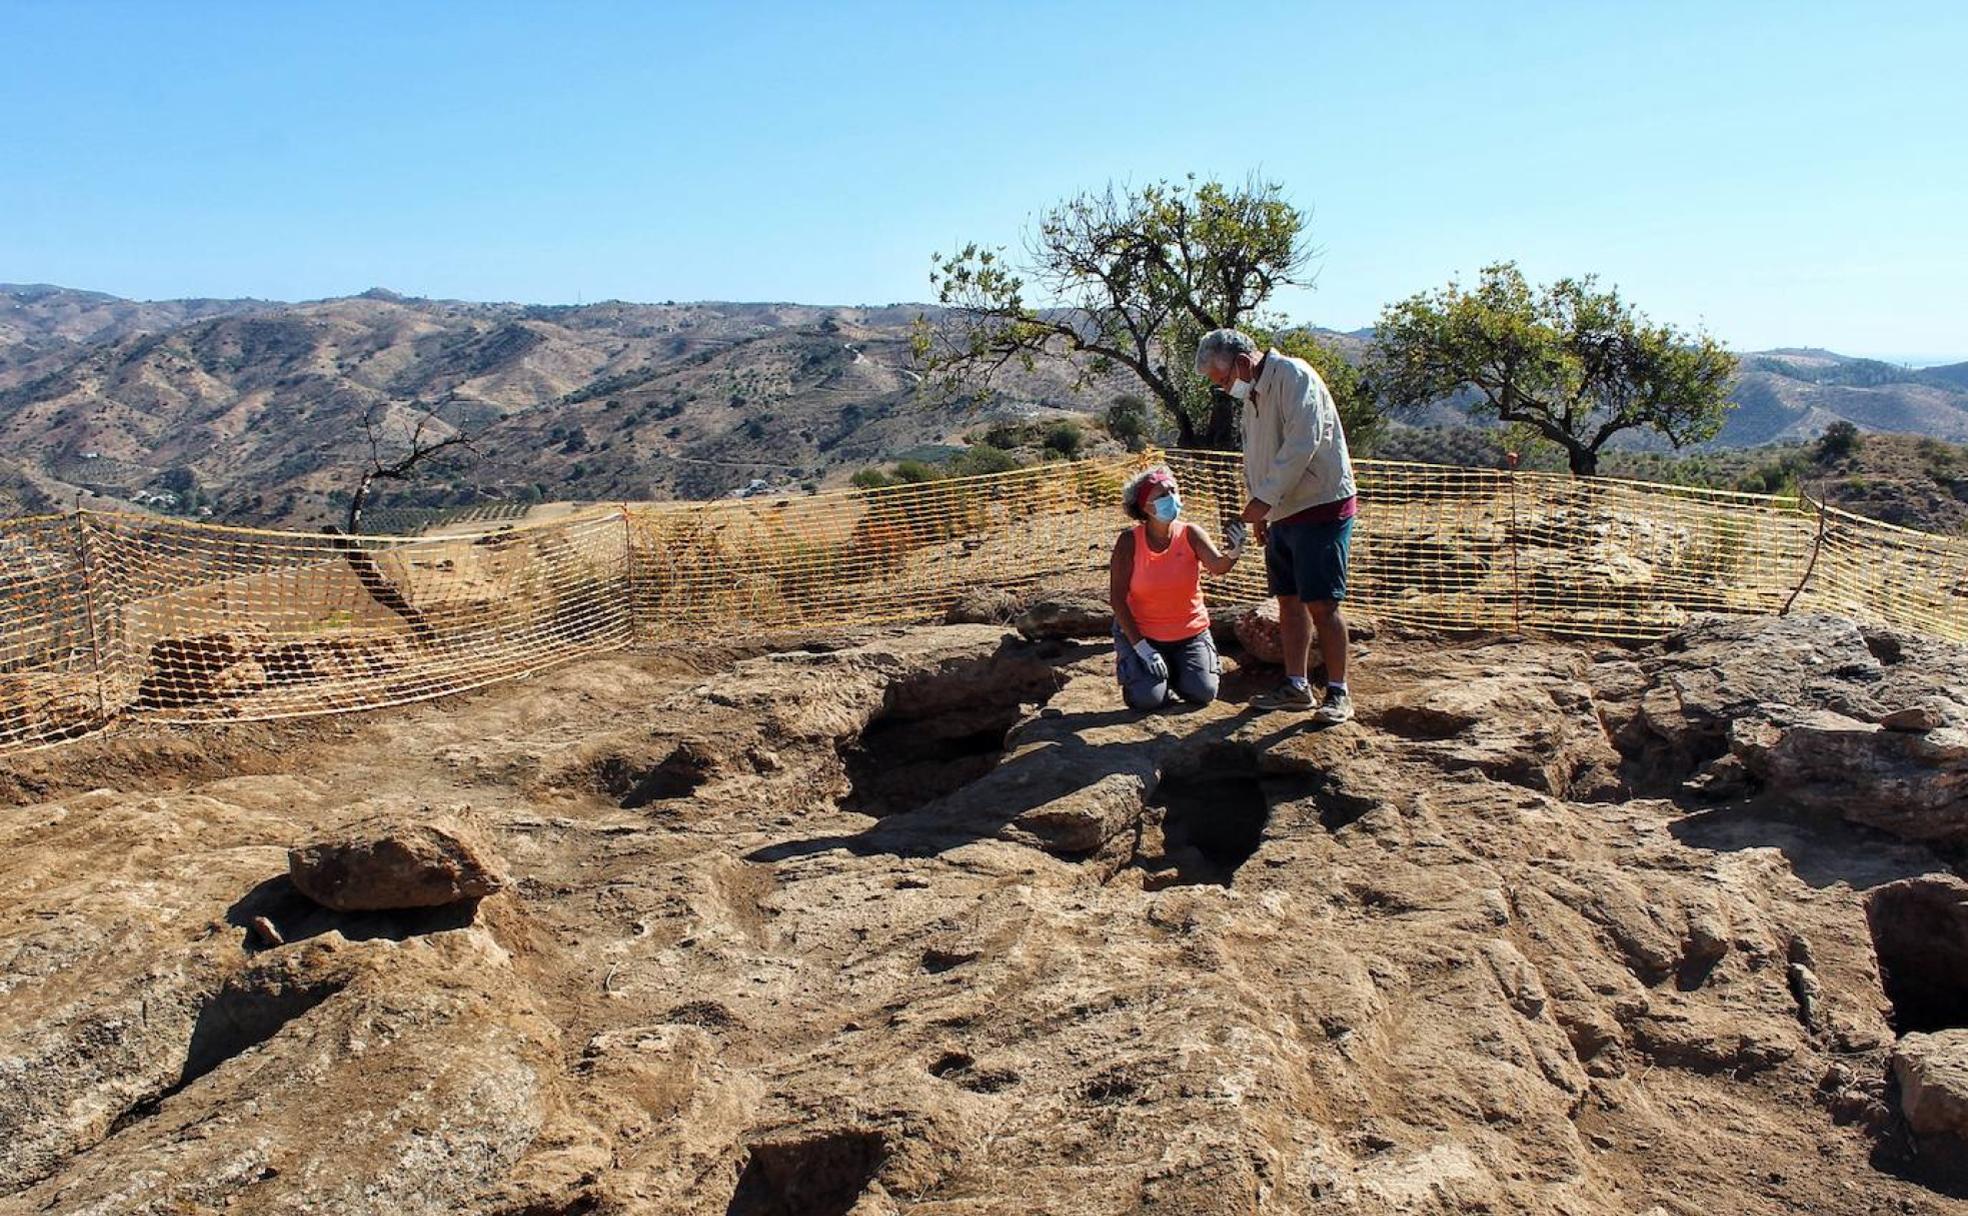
[{"x": 1241, "y": 390}]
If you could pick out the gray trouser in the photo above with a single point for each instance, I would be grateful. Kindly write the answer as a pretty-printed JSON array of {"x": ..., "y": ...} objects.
[{"x": 1193, "y": 670}]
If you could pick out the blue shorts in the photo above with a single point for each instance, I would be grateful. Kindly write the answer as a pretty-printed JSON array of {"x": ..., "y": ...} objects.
[{"x": 1308, "y": 560}]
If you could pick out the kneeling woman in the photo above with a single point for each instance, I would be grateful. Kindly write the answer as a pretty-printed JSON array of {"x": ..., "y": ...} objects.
[{"x": 1154, "y": 582}]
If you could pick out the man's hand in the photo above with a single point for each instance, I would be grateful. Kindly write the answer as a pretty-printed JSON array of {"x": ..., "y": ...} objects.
[{"x": 1255, "y": 510}]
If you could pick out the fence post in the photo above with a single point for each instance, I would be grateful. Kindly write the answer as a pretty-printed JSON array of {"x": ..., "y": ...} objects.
[
  {"x": 1516, "y": 591},
  {"x": 1816, "y": 546},
  {"x": 87, "y": 558},
  {"x": 628, "y": 572}
]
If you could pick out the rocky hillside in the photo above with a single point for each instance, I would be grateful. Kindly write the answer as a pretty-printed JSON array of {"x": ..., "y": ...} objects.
[
  {"x": 923, "y": 922},
  {"x": 253, "y": 410},
  {"x": 263, "y": 404},
  {"x": 1796, "y": 394},
  {"x": 1914, "y": 482}
]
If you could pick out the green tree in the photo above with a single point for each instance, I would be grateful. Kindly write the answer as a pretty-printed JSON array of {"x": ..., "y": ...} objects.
[
  {"x": 1360, "y": 413},
  {"x": 1575, "y": 364},
  {"x": 1127, "y": 421},
  {"x": 1839, "y": 440},
  {"x": 1122, "y": 279}
]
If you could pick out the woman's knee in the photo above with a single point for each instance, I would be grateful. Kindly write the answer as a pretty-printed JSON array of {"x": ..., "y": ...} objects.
[
  {"x": 1196, "y": 687},
  {"x": 1145, "y": 694}
]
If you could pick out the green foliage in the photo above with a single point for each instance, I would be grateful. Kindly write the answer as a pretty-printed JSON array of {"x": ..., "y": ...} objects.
[
  {"x": 1125, "y": 279},
  {"x": 1781, "y": 475},
  {"x": 1942, "y": 462},
  {"x": 1065, "y": 437},
  {"x": 915, "y": 472},
  {"x": 1576, "y": 364},
  {"x": 982, "y": 458},
  {"x": 1847, "y": 373},
  {"x": 181, "y": 481},
  {"x": 975, "y": 460},
  {"x": 1840, "y": 439},
  {"x": 1463, "y": 446},
  {"x": 1360, "y": 413},
  {"x": 1127, "y": 421}
]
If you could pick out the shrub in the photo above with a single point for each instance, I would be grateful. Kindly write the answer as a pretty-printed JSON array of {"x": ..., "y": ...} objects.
[
  {"x": 1839, "y": 440},
  {"x": 1065, "y": 437},
  {"x": 1127, "y": 421},
  {"x": 982, "y": 458}
]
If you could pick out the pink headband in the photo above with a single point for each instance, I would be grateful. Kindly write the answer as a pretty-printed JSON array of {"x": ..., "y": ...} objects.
[{"x": 1157, "y": 478}]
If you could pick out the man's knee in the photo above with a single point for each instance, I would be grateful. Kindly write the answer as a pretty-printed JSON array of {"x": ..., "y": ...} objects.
[{"x": 1323, "y": 610}]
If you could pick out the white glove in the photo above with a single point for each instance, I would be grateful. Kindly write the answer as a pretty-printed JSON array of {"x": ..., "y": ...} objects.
[
  {"x": 1152, "y": 659},
  {"x": 1236, "y": 534}
]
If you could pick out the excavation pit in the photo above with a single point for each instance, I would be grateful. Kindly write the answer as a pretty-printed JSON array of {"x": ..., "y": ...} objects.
[
  {"x": 1920, "y": 934},
  {"x": 939, "y": 732}
]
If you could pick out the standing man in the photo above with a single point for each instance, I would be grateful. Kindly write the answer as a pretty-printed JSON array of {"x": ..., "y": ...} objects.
[{"x": 1300, "y": 481}]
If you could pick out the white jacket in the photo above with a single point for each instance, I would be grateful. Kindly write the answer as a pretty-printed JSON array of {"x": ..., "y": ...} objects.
[{"x": 1294, "y": 446}]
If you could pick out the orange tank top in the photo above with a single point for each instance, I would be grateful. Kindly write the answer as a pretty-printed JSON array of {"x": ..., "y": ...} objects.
[{"x": 1165, "y": 590}]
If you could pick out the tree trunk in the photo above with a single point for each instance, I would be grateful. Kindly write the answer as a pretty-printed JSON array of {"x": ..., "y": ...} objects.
[
  {"x": 1185, "y": 427},
  {"x": 1584, "y": 460},
  {"x": 379, "y": 586},
  {"x": 353, "y": 525},
  {"x": 1224, "y": 418}
]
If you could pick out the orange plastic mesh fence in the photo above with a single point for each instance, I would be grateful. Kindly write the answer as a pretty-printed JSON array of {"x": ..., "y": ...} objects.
[
  {"x": 895, "y": 554},
  {"x": 1455, "y": 548},
  {"x": 1878, "y": 574},
  {"x": 107, "y": 619},
  {"x": 49, "y": 657},
  {"x": 123, "y": 617}
]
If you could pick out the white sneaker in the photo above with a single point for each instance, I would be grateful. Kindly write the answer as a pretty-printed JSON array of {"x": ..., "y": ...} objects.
[
  {"x": 1286, "y": 696},
  {"x": 1338, "y": 708}
]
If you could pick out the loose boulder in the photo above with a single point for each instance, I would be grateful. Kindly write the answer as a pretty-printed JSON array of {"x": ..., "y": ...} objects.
[
  {"x": 983, "y": 606},
  {"x": 393, "y": 862},
  {"x": 1932, "y": 1070},
  {"x": 1257, "y": 633},
  {"x": 1256, "y": 629},
  {"x": 1076, "y": 617}
]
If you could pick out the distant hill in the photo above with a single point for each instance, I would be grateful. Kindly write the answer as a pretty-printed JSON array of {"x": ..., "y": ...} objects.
[
  {"x": 1915, "y": 481},
  {"x": 263, "y": 402},
  {"x": 252, "y": 410},
  {"x": 1952, "y": 375},
  {"x": 1795, "y": 394}
]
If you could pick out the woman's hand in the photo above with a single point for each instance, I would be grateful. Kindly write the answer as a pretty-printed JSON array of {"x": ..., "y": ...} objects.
[{"x": 1236, "y": 534}]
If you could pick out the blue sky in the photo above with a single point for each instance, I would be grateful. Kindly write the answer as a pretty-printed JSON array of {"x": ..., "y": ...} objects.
[{"x": 1786, "y": 174}]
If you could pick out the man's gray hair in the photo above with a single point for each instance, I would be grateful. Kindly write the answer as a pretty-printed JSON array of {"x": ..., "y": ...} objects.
[{"x": 1221, "y": 346}]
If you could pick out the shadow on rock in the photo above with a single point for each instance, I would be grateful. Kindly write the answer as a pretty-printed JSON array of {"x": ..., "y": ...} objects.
[
  {"x": 1822, "y": 848},
  {"x": 295, "y": 917}
]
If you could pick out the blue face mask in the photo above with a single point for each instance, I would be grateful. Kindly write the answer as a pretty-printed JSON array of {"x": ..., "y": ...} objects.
[{"x": 1166, "y": 508}]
